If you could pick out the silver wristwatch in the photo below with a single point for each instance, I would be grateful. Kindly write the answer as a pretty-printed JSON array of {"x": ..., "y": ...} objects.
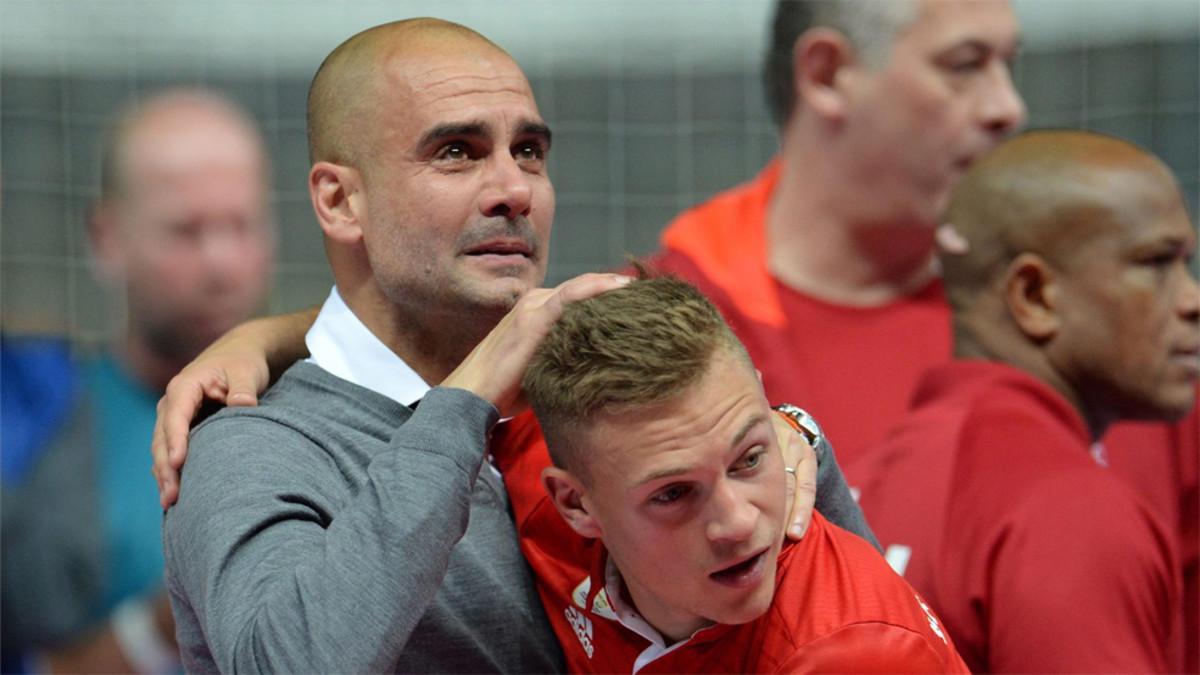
[{"x": 801, "y": 421}]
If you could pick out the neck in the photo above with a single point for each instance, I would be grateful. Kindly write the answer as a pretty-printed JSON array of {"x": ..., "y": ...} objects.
[
  {"x": 431, "y": 344},
  {"x": 672, "y": 628},
  {"x": 147, "y": 366},
  {"x": 823, "y": 242},
  {"x": 1018, "y": 352}
]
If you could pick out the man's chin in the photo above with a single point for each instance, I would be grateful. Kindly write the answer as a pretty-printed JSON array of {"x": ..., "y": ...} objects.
[
  {"x": 504, "y": 290},
  {"x": 752, "y": 608}
]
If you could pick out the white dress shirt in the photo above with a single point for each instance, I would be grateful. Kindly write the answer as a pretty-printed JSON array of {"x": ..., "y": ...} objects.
[{"x": 341, "y": 344}]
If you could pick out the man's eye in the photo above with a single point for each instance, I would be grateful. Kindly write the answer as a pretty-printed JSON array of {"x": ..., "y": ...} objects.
[
  {"x": 453, "y": 151},
  {"x": 670, "y": 495},
  {"x": 965, "y": 60},
  {"x": 750, "y": 460},
  {"x": 967, "y": 66},
  {"x": 185, "y": 231},
  {"x": 529, "y": 151},
  {"x": 1165, "y": 259}
]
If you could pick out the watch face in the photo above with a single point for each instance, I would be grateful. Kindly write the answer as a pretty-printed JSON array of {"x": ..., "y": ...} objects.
[{"x": 803, "y": 422}]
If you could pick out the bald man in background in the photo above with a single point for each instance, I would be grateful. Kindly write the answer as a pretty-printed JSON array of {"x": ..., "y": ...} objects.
[
  {"x": 1073, "y": 308},
  {"x": 182, "y": 232}
]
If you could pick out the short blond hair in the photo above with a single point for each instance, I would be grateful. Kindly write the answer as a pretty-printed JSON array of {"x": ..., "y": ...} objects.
[{"x": 642, "y": 344}]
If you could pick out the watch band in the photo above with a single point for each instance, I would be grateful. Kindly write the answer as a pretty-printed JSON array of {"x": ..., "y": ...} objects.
[{"x": 801, "y": 421}]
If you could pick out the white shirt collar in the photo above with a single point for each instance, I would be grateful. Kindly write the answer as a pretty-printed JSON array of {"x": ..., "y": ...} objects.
[
  {"x": 341, "y": 344},
  {"x": 629, "y": 617}
]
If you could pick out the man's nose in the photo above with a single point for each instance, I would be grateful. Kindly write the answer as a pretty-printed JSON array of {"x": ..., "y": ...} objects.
[
  {"x": 507, "y": 192},
  {"x": 1002, "y": 109},
  {"x": 223, "y": 245},
  {"x": 1189, "y": 299},
  {"x": 732, "y": 517}
]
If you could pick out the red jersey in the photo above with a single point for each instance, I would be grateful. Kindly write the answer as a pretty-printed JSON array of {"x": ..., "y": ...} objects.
[
  {"x": 1037, "y": 558},
  {"x": 838, "y": 607},
  {"x": 855, "y": 368}
]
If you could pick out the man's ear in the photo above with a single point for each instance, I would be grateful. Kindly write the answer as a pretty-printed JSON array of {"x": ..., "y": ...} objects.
[
  {"x": 1031, "y": 293},
  {"x": 108, "y": 252},
  {"x": 339, "y": 201},
  {"x": 818, "y": 57},
  {"x": 567, "y": 494}
]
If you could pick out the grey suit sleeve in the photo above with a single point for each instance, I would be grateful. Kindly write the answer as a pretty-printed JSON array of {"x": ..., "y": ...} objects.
[
  {"x": 834, "y": 500},
  {"x": 276, "y": 582}
]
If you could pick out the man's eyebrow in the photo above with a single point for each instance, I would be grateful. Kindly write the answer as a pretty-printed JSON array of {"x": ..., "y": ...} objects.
[
  {"x": 977, "y": 44},
  {"x": 738, "y": 438},
  {"x": 965, "y": 44},
  {"x": 530, "y": 128},
  {"x": 749, "y": 426},
  {"x": 456, "y": 130},
  {"x": 664, "y": 473}
]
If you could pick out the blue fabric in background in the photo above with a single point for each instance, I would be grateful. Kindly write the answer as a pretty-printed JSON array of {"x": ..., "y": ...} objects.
[
  {"x": 38, "y": 386},
  {"x": 37, "y": 389},
  {"x": 128, "y": 496}
]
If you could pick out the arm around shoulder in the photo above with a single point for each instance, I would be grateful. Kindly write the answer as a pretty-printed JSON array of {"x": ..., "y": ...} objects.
[{"x": 288, "y": 564}]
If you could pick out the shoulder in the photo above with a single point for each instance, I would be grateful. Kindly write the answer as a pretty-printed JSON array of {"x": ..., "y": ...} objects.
[
  {"x": 846, "y": 568},
  {"x": 874, "y": 647},
  {"x": 1028, "y": 477},
  {"x": 1084, "y": 508},
  {"x": 726, "y": 208},
  {"x": 294, "y": 438},
  {"x": 306, "y": 407},
  {"x": 840, "y": 608},
  {"x": 990, "y": 414},
  {"x": 731, "y": 219}
]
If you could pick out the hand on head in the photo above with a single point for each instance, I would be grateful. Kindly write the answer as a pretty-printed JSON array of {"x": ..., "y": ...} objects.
[{"x": 493, "y": 370}]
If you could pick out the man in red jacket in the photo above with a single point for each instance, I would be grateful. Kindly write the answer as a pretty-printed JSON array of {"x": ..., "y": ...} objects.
[
  {"x": 657, "y": 534},
  {"x": 1072, "y": 308}
]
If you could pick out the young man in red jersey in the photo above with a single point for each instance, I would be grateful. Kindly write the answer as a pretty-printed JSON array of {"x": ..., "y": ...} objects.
[
  {"x": 657, "y": 533},
  {"x": 1073, "y": 308}
]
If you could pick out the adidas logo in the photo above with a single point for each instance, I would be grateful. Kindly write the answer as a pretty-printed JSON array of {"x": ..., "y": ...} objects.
[{"x": 582, "y": 627}]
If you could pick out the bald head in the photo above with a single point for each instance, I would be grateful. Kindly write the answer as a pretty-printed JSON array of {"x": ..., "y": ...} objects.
[
  {"x": 1075, "y": 270},
  {"x": 173, "y": 129},
  {"x": 183, "y": 226},
  {"x": 347, "y": 85},
  {"x": 1046, "y": 192}
]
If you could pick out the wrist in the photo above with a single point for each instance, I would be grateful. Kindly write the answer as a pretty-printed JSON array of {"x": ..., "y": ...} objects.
[{"x": 806, "y": 425}]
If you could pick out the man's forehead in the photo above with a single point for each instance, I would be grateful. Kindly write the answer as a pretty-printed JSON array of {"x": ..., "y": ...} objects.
[
  {"x": 944, "y": 23},
  {"x": 185, "y": 155},
  {"x": 476, "y": 66},
  {"x": 715, "y": 413},
  {"x": 1146, "y": 204},
  {"x": 446, "y": 89},
  {"x": 1110, "y": 209}
]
